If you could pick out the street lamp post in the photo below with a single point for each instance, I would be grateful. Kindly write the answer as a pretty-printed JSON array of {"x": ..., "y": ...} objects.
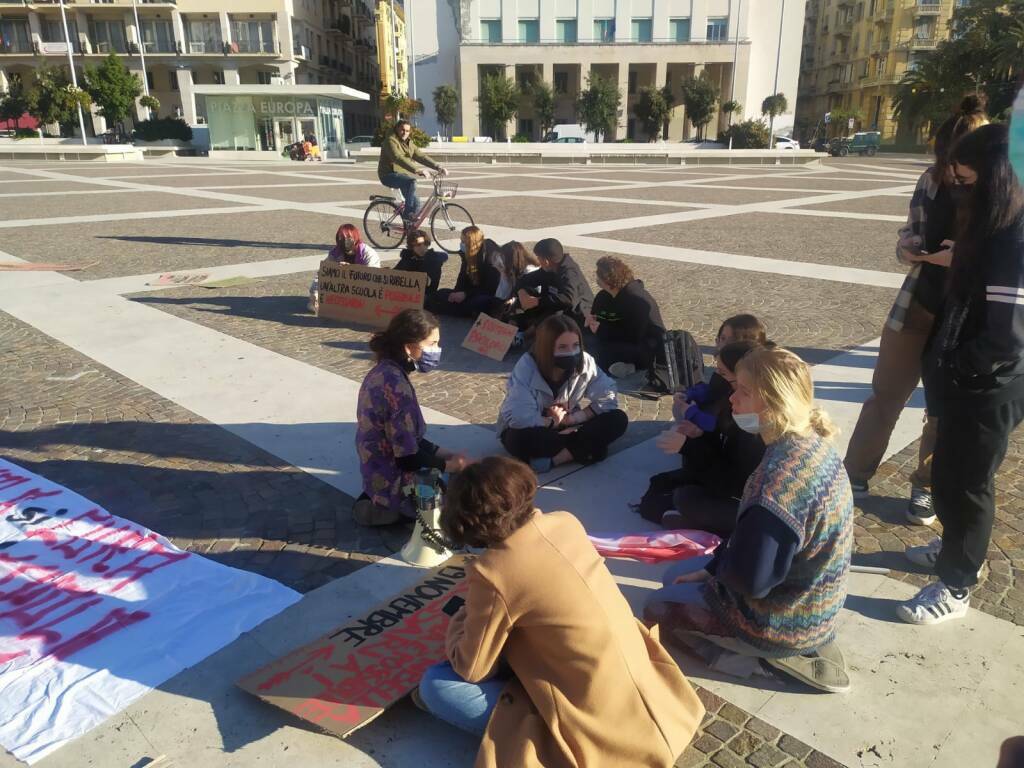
[
  {"x": 394, "y": 51},
  {"x": 735, "y": 60},
  {"x": 71, "y": 66},
  {"x": 142, "y": 52},
  {"x": 778, "y": 60},
  {"x": 411, "y": 45}
]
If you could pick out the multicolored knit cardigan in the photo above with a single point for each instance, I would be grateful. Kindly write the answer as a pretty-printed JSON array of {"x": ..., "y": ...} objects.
[{"x": 802, "y": 481}]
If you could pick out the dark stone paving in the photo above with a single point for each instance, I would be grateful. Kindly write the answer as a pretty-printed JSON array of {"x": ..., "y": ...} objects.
[
  {"x": 889, "y": 205},
  {"x": 701, "y": 194},
  {"x": 832, "y": 241},
  {"x": 142, "y": 457},
  {"x": 129, "y": 201}
]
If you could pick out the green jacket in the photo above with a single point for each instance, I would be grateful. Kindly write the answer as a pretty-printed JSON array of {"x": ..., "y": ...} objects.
[{"x": 397, "y": 156}]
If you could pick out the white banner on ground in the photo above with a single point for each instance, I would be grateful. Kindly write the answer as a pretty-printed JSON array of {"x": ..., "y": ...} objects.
[{"x": 95, "y": 611}]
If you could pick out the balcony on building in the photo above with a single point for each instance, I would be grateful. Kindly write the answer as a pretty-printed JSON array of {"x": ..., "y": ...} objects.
[
  {"x": 106, "y": 36},
  {"x": 158, "y": 36},
  {"x": 927, "y": 8},
  {"x": 342, "y": 26},
  {"x": 252, "y": 35},
  {"x": 203, "y": 35}
]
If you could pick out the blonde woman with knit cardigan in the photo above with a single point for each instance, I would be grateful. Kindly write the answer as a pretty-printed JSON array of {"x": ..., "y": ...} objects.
[{"x": 772, "y": 593}]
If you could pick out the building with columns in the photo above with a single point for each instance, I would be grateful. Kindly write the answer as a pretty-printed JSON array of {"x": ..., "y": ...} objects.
[
  {"x": 744, "y": 47},
  {"x": 392, "y": 48},
  {"x": 203, "y": 42}
]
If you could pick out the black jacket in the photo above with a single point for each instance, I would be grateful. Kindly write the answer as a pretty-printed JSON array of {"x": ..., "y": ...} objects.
[
  {"x": 487, "y": 277},
  {"x": 631, "y": 316},
  {"x": 431, "y": 264},
  {"x": 565, "y": 289},
  {"x": 977, "y": 353}
]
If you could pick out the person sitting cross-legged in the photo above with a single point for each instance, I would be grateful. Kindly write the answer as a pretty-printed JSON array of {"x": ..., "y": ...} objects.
[
  {"x": 773, "y": 591},
  {"x": 546, "y": 663}
]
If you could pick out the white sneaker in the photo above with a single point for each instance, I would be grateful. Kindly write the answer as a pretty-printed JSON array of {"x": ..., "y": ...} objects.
[
  {"x": 934, "y": 604},
  {"x": 919, "y": 510},
  {"x": 925, "y": 556},
  {"x": 621, "y": 370}
]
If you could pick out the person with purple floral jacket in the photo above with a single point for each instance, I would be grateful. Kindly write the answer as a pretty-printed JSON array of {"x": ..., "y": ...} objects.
[{"x": 390, "y": 431}]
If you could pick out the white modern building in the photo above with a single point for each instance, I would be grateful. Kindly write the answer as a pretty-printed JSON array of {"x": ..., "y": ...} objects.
[{"x": 744, "y": 46}]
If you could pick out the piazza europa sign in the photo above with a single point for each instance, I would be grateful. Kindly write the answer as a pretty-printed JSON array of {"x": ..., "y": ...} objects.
[{"x": 263, "y": 105}]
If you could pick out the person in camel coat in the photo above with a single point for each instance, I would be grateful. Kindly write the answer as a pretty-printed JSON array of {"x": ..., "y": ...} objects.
[{"x": 546, "y": 661}]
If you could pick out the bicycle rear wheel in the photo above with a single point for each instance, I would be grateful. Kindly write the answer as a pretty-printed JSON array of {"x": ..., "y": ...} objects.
[
  {"x": 446, "y": 225},
  {"x": 382, "y": 225}
]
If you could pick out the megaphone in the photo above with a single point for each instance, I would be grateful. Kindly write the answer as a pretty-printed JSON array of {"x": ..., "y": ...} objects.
[{"x": 427, "y": 547}]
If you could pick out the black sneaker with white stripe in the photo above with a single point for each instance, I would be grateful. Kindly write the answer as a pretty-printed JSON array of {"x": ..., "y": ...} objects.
[
  {"x": 919, "y": 510},
  {"x": 934, "y": 604}
]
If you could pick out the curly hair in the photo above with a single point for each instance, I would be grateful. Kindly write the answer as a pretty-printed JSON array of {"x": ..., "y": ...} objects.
[
  {"x": 488, "y": 501},
  {"x": 614, "y": 272}
]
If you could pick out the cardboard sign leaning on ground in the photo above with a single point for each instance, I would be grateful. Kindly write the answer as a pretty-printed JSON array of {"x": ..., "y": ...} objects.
[
  {"x": 367, "y": 295},
  {"x": 346, "y": 679},
  {"x": 489, "y": 337}
]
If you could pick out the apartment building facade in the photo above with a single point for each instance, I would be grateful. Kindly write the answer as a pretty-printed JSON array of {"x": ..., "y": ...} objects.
[
  {"x": 201, "y": 42},
  {"x": 392, "y": 48},
  {"x": 737, "y": 43},
  {"x": 856, "y": 52}
]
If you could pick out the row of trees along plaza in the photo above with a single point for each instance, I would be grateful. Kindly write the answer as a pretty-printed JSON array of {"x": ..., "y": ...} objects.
[
  {"x": 50, "y": 97},
  {"x": 598, "y": 105}
]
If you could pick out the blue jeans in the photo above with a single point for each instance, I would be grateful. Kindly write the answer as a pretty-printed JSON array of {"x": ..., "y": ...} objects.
[
  {"x": 408, "y": 186},
  {"x": 467, "y": 706}
]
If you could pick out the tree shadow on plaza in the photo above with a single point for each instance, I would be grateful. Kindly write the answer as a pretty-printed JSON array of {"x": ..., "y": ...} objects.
[{"x": 217, "y": 242}]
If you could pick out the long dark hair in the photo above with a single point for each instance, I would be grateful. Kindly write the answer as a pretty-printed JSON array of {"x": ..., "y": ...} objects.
[
  {"x": 996, "y": 202},
  {"x": 969, "y": 117},
  {"x": 410, "y": 326}
]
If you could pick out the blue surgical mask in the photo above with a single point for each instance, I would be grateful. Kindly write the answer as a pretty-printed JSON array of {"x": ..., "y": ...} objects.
[
  {"x": 430, "y": 358},
  {"x": 748, "y": 422}
]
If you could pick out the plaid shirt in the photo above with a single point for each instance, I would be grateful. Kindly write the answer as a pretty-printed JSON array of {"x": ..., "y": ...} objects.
[{"x": 913, "y": 230}]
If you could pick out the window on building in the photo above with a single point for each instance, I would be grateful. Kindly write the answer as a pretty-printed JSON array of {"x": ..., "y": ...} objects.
[
  {"x": 107, "y": 36},
  {"x": 490, "y": 30},
  {"x": 924, "y": 29},
  {"x": 204, "y": 36},
  {"x": 604, "y": 30},
  {"x": 718, "y": 29},
  {"x": 253, "y": 36},
  {"x": 264, "y": 78},
  {"x": 642, "y": 30},
  {"x": 218, "y": 77},
  {"x": 632, "y": 82},
  {"x": 173, "y": 77},
  {"x": 561, "y": 82},
  {"x": 525, "y": 127},
  {"x": 158, "y": 36},
  {"x": 53, "y": 32},
  {"x": 150, "y": 81},
  {"x": 679, "y": 30},
  {"x": 566, "y": 30},
  {"x": 529, "y": 30}
]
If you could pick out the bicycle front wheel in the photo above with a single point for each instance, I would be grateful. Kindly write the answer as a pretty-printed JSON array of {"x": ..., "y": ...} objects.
[
  {"x": 446, "y": 225},
  {"x": 382, "y": 224}
]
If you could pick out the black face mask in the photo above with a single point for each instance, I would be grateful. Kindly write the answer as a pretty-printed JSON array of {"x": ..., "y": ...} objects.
[
  {"x": 569, "y": 362},
  {"x": 960, "y": 193}
]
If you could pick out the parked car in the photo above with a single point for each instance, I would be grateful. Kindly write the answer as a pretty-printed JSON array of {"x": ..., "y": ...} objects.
[
  {"x": 568, "y": 131},
  {"x": 786, "y": 142},
  {"x": 367, "y": 140},
  {"x": 862, "y": 143}
]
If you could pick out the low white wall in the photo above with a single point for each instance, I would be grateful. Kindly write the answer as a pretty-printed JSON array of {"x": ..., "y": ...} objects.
[{"x": 29, "y": 149}]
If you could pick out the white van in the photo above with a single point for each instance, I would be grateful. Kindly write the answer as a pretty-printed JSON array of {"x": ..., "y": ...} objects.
[{"x": 569, "y": 133}]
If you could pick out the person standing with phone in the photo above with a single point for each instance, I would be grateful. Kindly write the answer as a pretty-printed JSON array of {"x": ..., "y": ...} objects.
[{"x": 926, "y": 246}]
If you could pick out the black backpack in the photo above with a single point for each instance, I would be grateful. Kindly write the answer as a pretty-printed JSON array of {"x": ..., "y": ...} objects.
[{"x": 679, "y": 366}]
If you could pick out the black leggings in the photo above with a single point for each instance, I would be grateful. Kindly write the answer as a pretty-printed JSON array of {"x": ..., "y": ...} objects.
[
  {"x": 471, "y": 306},
  {"x": 640, "y": 354},
  {"x": 589, "y": 443},
  {"x": 701, "y": 510}
]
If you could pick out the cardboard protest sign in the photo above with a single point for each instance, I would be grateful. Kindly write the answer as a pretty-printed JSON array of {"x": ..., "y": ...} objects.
[
  {"x": 489, "y": 337},
  {"x": 96, "y": 610},
  {"x": 171, "y": 278},
  {"x": 346, "y": 679},
  {"x": 367, "y": 295}
]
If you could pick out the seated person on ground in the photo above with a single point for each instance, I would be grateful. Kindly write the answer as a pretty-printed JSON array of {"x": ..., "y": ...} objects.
[
  {"x": 773, "y": 591},
  {"x": 558, "y": 286},
  {"x": 716, "y": 462},
  {"x": 549, "y": 678},
  {"x": 626, "y": 320},
  {"x": 514, "y": 261},
  {"x": 543, "y": 420},
  {"x": 477, "y": 281},
  {"x": 349, "y": 248},
  {"x": 418, "y": 256},
  {"x": 390, "y": 430}
]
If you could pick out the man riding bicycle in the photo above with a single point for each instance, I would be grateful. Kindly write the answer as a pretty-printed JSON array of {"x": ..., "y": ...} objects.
[{"x": 398, "y": 154}]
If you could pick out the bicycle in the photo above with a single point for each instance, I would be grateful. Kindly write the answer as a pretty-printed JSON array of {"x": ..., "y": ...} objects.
[{"x": 385, "y": 228}]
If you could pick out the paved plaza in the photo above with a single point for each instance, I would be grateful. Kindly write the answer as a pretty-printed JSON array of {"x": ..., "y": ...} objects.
[{"x": 223, "y": 418}]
